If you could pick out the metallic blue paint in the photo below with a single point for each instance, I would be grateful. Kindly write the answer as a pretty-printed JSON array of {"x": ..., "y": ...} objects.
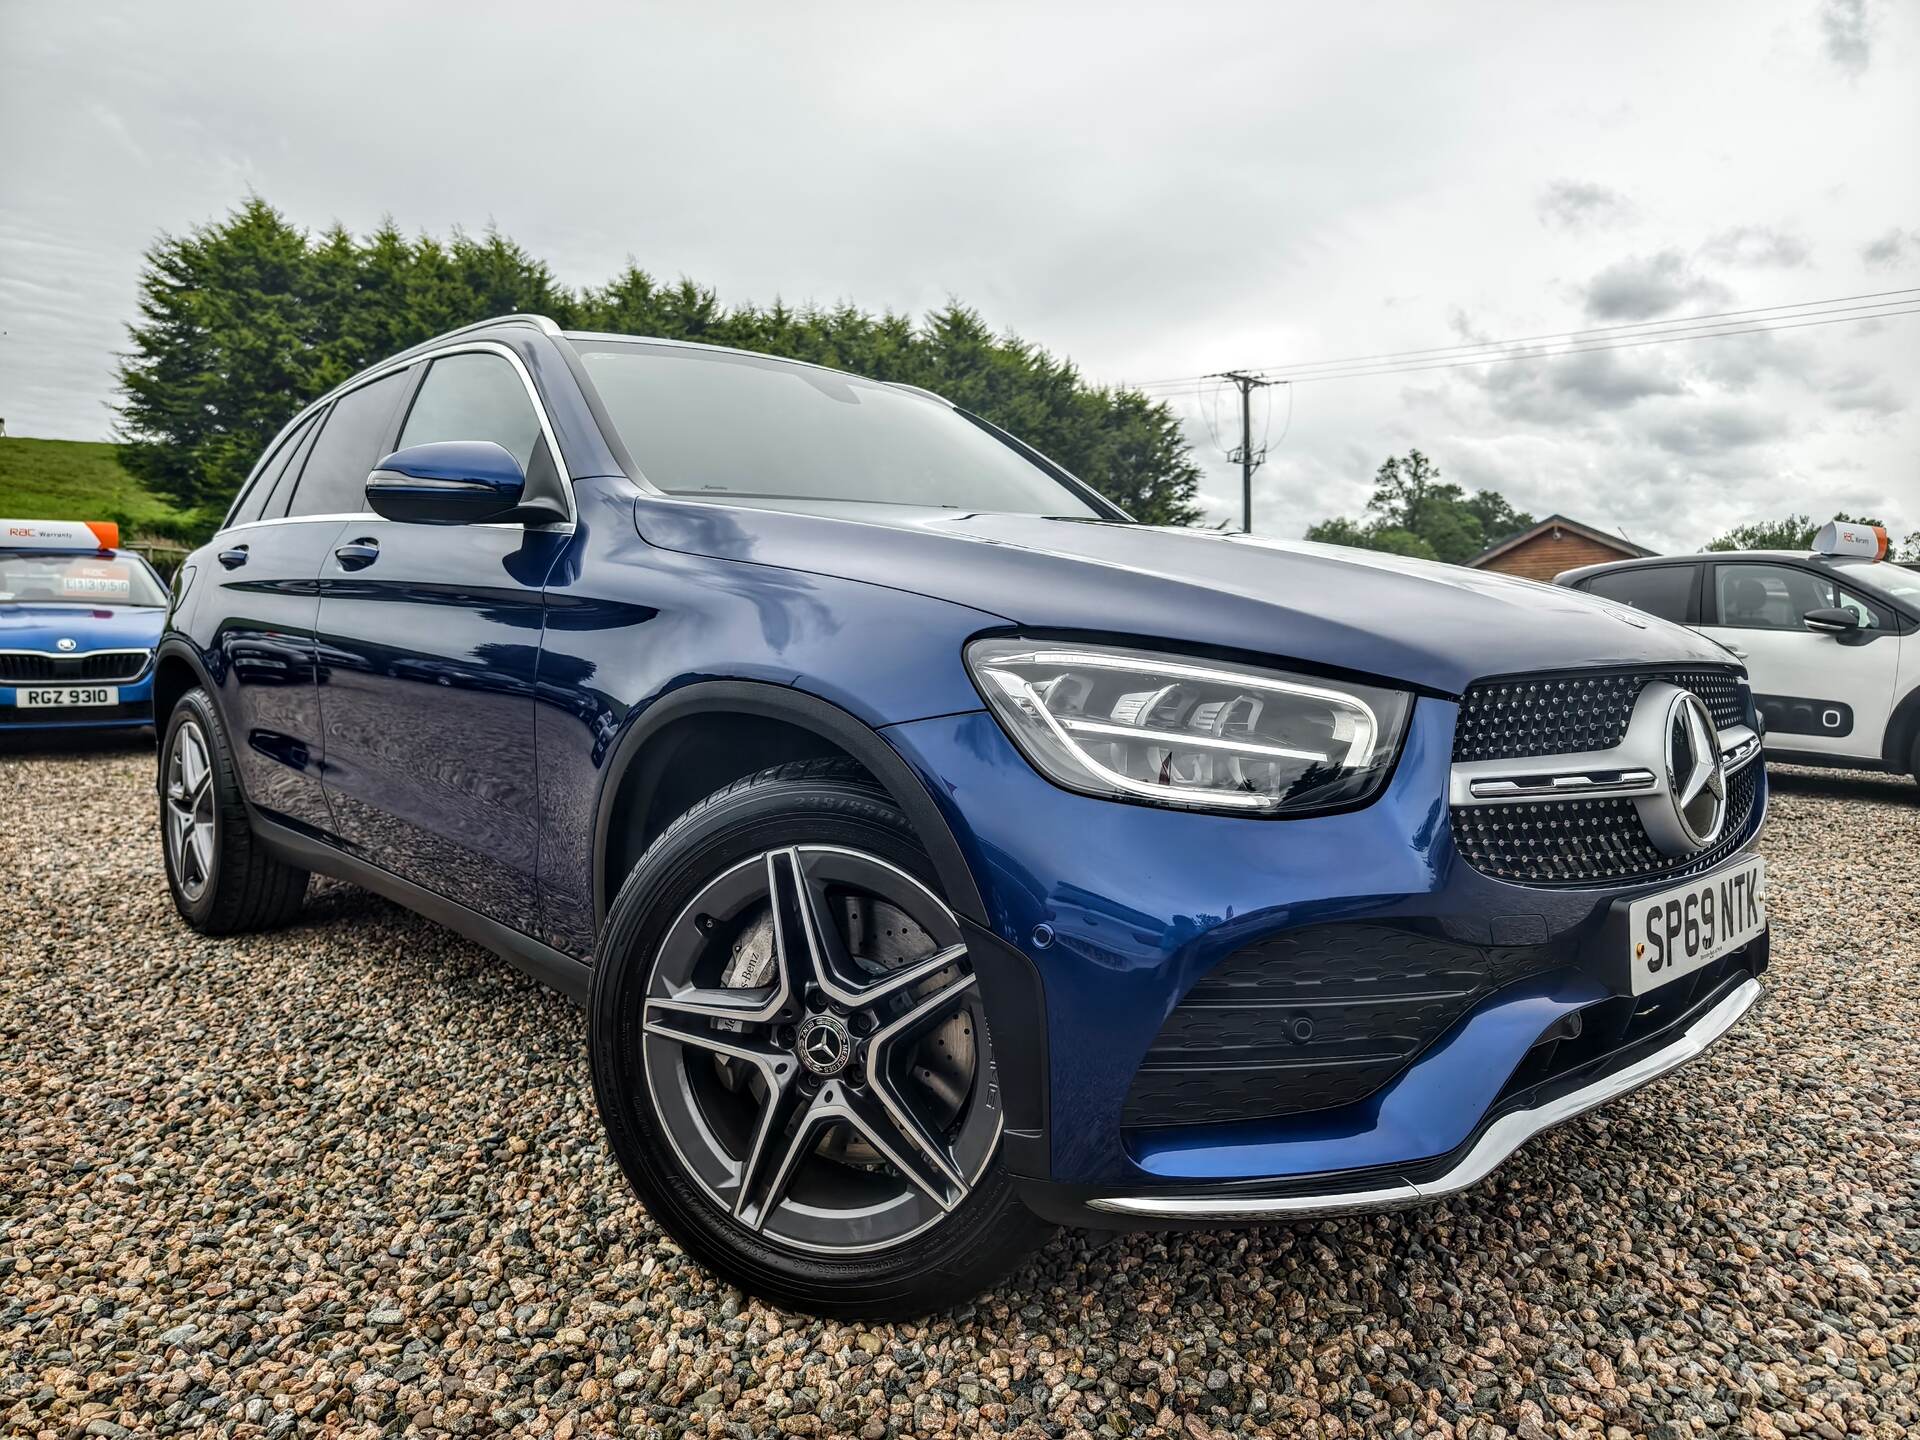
[
  {"x": 427, "y": 663},
  {"x": 1427, "y": 1112},
  {"x": 1143, "y": 901},
  {"x": 456, "y": 710},
  {"x": 628, "y": 622},
  {"x": 449, "y": 482},
  {"x": 257, "y": 645}
]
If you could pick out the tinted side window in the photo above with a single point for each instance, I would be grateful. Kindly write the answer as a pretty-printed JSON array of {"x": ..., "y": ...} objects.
[
  {"x": 474, "y": 397},
  {"x": 1778, "y": 597},
  {"x": 254, "y": 503},
  {"x": 352, "y": 439},
  {"x": 1663, "y": 590},
  {"x": 275, "y": 504}
]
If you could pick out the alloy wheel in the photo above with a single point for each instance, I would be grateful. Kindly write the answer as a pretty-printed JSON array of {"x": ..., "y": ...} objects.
[
  {"x": 190, "y": 810},
  {"x": 815, "y": 1048}
]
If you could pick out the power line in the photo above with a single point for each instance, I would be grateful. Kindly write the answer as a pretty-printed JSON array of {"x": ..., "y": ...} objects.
[
  {"x": 1679, "y": 332},
  {"x": 1545, "y": 353},
  {"x": 1674, "y": 326}
]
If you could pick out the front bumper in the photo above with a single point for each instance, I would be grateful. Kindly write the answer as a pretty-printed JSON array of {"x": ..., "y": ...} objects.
[
  {"x": 134, "y": 710},
  {"x": 1103, "y": 917},
  {"x": 1499, "y": 1138}
]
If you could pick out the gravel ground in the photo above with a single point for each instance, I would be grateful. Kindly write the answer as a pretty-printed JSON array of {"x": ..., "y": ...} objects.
[{"x": 347, "y": 1179}]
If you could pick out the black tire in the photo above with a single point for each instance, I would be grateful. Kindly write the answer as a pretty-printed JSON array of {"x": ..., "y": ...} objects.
[
  {"x": 816, "y": 803},
  {"x": 228, "y": 883}
]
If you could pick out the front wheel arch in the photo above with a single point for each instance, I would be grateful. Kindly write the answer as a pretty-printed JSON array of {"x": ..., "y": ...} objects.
[{"x": 828, "y": 725}]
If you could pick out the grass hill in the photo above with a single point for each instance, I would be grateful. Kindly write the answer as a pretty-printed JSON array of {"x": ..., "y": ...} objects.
[{"x": 83, "y": 480}]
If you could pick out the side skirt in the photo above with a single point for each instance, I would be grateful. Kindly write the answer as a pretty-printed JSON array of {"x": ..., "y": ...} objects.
[{"x": 553, "y": 968}]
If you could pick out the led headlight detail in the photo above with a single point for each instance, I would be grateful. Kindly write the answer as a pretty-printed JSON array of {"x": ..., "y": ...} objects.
[{"x": 1189, "y": 733}]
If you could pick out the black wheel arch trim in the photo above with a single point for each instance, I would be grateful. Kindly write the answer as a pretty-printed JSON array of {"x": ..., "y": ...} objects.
[
  {"x": 174, "y": 647},
  {"x": 808, "y": 712},
  {"x": 1903, "y": 729}
]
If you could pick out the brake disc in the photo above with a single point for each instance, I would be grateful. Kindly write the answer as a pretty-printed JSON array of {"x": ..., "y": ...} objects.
[{"x": 881, "y": 938}]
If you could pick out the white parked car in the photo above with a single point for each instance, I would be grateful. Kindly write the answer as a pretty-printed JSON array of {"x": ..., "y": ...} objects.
[{"x": 1830, "y": 638}]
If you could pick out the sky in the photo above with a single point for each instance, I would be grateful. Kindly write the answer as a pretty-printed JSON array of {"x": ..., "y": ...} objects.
[{"x": 1155, "y": 192}]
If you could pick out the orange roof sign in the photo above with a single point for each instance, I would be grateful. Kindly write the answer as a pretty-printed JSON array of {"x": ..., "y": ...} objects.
[
  {"x": 59, "y": 534},
  {"x": 1839, "y": 537}
]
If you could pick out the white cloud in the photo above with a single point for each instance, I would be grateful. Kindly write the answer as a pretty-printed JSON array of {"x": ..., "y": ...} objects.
[
  {"x": 1121, "y": 187},
  {"x": 1758, "y": 246},
  {"x": 1644, "y": 286},
  {"x": 1583, "y": 205},
  {"x": 1847, "y": 27},
  {"x": 1890, "y": 250}
]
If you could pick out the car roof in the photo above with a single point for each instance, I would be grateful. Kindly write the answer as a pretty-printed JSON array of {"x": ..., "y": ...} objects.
[
  {"x": 1858, "y": 574},
  {"x": 1803, "y": 557}
]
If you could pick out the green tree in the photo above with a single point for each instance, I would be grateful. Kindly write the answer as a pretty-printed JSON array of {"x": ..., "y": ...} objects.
[
  {"x": 1794, "y": 532},
  {"x": 245, "y": 320},
  {"x": 1413, "y": 512}
]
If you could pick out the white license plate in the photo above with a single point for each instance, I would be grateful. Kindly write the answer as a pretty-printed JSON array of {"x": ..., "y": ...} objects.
[
  {"x": 56, "y": 696},
  {"x": 1690, "y": 926}
]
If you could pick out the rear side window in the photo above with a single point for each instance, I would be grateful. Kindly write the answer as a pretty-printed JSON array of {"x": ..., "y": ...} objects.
[
  {"x": 1663, "y": 590},
  {"x": 474, "y": 397},
  {"x": 352, "y": 439},
  {"x": 254, "y": 503}
]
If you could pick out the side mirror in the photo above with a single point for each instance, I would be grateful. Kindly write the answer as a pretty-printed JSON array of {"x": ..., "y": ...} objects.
[
  {"x": 451, "y": 482},
  {"x": 1831, "y": 622}
]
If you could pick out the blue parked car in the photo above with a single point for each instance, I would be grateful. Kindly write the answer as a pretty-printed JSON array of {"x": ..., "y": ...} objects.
[
  {"x": 79, "y": 619},
  {"x": 939, "y": 854}
]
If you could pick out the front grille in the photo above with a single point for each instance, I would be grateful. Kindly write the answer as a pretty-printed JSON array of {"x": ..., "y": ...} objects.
[
  {"x": 1583, "y": 842},
  {"x": 1588, "y": 842},
  {"x": 1314, "y": 1018},
  {"x": 1574, "y": 712},
  {"x": 106, "y": 666}
]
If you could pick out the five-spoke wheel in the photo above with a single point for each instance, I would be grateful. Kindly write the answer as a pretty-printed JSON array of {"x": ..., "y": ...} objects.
[
  {"x": 792, "y": 1056},
  {"x": 190, "y": 814},
  {"x": 811, "y": 1040},
  {"x": 222, "y": 878}
]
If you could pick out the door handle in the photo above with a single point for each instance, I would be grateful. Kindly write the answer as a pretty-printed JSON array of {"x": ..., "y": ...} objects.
[
  {"x": 233, "y": 559},
  {"x": 357, "y": 554}
]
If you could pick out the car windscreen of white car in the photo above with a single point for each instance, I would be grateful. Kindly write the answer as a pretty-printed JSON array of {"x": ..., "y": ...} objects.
[
  {"x": 724, "y": 425},
  {"x": 38, "y": 578},
  {"x": 1894, "y": 580}
]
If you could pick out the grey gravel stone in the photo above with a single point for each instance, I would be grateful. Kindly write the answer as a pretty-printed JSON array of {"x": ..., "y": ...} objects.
[{"x": 365, "y": 1193}]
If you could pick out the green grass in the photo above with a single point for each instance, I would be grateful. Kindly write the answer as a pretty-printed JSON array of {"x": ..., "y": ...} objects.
[{"x": 79, "y": 480}]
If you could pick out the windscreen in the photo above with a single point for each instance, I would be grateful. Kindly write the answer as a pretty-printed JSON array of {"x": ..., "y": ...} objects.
[
  {"x": 710, "y": 423},
  {"x": 1885, "y": 576},
  {"x": 29, "y": 577}
]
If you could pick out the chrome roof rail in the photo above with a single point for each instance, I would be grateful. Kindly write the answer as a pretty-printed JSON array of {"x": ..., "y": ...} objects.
[{"x": 542, "y": 323}]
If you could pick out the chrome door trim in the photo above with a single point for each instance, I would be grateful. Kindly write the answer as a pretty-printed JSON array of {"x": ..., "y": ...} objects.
[{"x": 406, "y": 360}]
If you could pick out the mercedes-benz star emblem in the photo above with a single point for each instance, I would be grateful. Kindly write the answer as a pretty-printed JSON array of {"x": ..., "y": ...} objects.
[
  {"x": 65, "y": 642},
  {"x": 1696, "y": 778},
  {"x": 823, "y": 1045}
]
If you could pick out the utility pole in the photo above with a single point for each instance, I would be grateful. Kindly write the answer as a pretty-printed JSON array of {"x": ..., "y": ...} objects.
[{"x": 1249, "y": 462}]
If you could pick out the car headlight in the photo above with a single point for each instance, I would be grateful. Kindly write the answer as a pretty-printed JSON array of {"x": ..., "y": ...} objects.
[{"x": 1195, "y": 734}]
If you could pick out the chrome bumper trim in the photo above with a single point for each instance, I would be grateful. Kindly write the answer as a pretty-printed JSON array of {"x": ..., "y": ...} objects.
[{"x": 1500, "y": 1140}]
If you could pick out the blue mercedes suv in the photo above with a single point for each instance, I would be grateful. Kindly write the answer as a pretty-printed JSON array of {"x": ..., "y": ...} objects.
[{"x": 941, "y": 856}]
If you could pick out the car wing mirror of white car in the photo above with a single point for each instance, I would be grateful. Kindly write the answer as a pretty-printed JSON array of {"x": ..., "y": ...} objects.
[{"x": 1834, "y": 621}]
